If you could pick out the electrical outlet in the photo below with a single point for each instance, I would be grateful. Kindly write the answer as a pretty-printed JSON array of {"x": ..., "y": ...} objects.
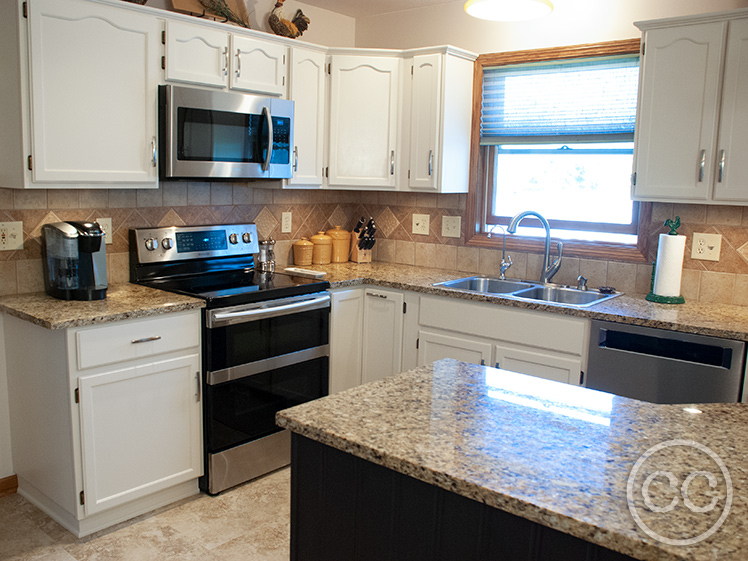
[
  {"x": 451, "y": 226},
  {"x": 106, "y": 225},
  {"x": 11, "y": 236},
  {"x": 706, "y": 246},
  {"x": 421, "y": 224},
  {"x": 286, "y": 221}
]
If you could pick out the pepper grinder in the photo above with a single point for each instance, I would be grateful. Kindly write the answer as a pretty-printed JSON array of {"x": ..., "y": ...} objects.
[{"x": 267, "y": 256}]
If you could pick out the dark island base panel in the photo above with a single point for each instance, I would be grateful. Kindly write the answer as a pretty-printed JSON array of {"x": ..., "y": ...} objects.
[{"x": 344, "y": 508}]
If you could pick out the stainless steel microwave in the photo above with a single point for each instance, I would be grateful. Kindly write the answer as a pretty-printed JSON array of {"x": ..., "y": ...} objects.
[{"x": 207, "y": 134}]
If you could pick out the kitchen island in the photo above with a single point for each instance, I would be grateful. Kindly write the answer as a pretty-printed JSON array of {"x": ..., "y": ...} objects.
[{"x": 459, "y": 461}]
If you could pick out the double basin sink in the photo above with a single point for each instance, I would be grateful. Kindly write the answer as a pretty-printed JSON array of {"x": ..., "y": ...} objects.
[{"x": 523, "y": 290}]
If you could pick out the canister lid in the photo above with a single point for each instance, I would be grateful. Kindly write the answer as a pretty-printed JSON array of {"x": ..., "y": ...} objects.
[
  {"x": 303, "y": 242},
  {"x": 320, "y": 238},
  {"x": 338, "y": 233}
]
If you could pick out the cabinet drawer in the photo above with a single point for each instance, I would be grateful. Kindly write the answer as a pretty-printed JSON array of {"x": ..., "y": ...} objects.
[{"x": 136, "y": 339}]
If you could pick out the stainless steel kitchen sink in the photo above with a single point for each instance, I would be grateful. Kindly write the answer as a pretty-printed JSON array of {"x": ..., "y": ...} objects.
[
  {"x": 486, "y": 284},
  {"x": 564, "y": 295},
  {"x": 516, "y": 289}
]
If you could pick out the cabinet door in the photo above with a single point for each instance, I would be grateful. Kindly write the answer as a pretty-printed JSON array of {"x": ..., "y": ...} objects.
[
  {"x": 383, "y": 334},
  {"x": 731, "y": 177},
  {"x": 140, "y": 430},
  {"x": 258, "y": 66},
  {"x": 537, "y": 363},
  {"x": 196, "y": 54},
  {"x": 425, "y": 121},
  {"x": 435, "y": 346},
  {"x": 307, "y": 89},
  {"x": 363, "y": 121},
  {"x": 677, "y": 115},
  {"x": 94, "y": 79},
  {"x": 346, "y": 327}
]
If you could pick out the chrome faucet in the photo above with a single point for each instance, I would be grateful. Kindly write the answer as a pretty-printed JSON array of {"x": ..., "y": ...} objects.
[
  {"x": 506, "y": 260},
  {"x": 548, "y": 269}
]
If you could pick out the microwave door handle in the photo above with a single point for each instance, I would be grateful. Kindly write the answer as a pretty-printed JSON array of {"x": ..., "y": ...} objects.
[{"x": 269, "y": 121}]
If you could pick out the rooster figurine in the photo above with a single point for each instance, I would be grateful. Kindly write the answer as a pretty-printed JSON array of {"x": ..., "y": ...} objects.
[{"x": 281, "y": 26}]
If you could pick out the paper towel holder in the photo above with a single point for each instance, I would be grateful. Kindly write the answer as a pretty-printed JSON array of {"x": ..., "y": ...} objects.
[{"x": 652, "y": 297}]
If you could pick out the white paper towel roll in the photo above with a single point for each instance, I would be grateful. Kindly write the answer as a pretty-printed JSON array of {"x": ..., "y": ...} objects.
[{"x": 669, "y": 265}]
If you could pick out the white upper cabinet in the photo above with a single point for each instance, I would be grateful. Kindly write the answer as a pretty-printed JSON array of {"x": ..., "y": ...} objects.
[
  {"x": 731, "y": 175},
  {"x": 258, "y": 66},
  {"x": 205, "y": 56},
  {"x": 364, "y": 117},
  {"x": 93, "y": 74},
  {"x": 196, "y": 55},
  {"x": 307, "y": 89},
  {"x": 440, "y": 104},
  {"x": 693, "y": 100}
]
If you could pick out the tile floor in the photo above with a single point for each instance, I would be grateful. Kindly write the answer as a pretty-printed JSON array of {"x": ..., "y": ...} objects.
[{"x": 248, "y": 523}]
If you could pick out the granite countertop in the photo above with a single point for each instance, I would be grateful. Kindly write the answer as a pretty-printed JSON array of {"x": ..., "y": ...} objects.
[
  {"x": 123, "y": 301},
  {"x": 726, "y": 321},
  {"x": 555, "y": 454}
]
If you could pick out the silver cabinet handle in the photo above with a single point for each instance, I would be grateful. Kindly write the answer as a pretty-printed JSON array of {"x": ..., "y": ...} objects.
[
  {"x": 702, "y": 164},
  {"x": 225, "y": 61},
  {"x": 431, "y": 161},
  {"x": 154, "y": 152},
  {"x": 269, "y": 121},
  {"x": 197, "y": 394},
  {"x": 146, "y": 339},
  {"x": 296, "y": 158},
  {"x": 238, "y": 63},
  {"x": 392, "y": 163},
  {"x": 721, "y": 166},
  {"x": 377, "y": 295}
]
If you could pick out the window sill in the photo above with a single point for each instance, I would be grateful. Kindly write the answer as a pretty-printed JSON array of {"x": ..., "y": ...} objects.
[{"x": 583, "y": 250}]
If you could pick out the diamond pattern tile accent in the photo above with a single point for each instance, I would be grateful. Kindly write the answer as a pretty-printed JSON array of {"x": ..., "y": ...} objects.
[
  {"x": 266, "y": 223},
  {"x": 49, "y": 217},
  {"x": 387, "y": 222},
  {"x": 338, "y": 217},
  {"x": 171, "y": 219}
]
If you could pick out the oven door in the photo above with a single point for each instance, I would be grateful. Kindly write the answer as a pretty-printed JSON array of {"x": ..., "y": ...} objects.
[{"x": 260, "y": 359}]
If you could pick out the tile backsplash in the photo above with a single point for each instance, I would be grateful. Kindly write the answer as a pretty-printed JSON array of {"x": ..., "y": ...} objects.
[{"x": 192, "y": 203}]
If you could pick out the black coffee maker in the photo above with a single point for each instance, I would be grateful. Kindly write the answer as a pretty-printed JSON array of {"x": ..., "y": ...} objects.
[{"x": 74, "y": 260}]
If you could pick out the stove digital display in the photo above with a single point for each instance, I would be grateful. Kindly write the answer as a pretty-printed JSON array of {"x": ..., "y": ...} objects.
[{"x": 209, "y": 240}]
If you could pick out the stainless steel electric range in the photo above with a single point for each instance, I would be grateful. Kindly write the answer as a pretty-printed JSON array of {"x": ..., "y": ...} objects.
[{"x": 265, "y": 341}]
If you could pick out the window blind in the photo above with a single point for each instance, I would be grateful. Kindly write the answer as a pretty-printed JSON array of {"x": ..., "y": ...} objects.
[{"x": 583, "y": 99}]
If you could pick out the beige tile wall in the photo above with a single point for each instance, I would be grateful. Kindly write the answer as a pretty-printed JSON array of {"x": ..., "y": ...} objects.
[{"x": 191, "y": 203}]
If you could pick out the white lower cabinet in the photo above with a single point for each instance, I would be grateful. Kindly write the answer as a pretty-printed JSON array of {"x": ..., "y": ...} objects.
[
  {"x": 535, "y": 343},
  {"x": 346, "y": 331},
  {"x": 121, "y": 430},
  {"x": 383, "y": 334}
]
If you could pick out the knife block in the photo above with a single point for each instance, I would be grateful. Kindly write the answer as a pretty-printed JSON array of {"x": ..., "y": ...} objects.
[{"x": 359, "y": 255}]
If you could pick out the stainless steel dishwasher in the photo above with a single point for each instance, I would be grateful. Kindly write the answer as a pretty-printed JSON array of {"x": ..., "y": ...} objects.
[{"x": 662, "y": 366}]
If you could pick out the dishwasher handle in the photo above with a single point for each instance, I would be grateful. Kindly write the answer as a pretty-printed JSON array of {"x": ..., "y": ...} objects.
[{"x": 666, "y": 348}]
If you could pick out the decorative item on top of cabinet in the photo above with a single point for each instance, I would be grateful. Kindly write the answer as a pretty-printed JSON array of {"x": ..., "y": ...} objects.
[
  {"x": 292, "y": 28},
  {"x": 693, "y": 109},
  {"x": 226, "y": 11}
]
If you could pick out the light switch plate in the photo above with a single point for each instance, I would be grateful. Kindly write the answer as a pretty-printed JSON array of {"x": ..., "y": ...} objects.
[
  {"x": 286, "y": 222},
  {"x": 11, "y": 236},
  {"x": 706, "y": 246},
  {"x": 106, "y": 225},
  {"x": 451, "y": 226},
  {"x": 421, "y": 224}
]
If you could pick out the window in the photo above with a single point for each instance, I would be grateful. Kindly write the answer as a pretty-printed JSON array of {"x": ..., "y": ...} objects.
[{"x": 555, "y": 135}]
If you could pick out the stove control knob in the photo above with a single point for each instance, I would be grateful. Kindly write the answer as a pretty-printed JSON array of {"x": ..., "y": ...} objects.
[
  {"x": 167, "y": 243},
  {"x": 246, "y": 237},
  {"x": 234, "y": 239},
  {"x": 151, "y": 244}
]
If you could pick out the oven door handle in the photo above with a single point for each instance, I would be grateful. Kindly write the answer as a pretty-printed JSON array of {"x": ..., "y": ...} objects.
[{"x": 218, "y": 319}]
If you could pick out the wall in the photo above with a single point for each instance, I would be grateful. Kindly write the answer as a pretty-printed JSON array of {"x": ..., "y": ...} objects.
[{"x": 572, "y": 22}]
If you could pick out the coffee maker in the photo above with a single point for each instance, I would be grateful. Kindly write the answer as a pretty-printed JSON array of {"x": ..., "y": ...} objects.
[{"x": 74, "y": 260}]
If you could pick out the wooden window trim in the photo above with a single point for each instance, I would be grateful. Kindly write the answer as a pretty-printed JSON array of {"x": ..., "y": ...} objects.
[{"x": 477, "y": 193}]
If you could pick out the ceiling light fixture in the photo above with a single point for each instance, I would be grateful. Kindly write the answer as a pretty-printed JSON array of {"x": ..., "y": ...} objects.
[{"x": 508, "y": 10}]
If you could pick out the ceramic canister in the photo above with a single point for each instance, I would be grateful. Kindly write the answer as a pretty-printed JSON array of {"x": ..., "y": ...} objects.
[
  {"x": 302, "y": 252},
  {"x": 341, "y": 243},
  {"x": 322, "y": 250}
]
